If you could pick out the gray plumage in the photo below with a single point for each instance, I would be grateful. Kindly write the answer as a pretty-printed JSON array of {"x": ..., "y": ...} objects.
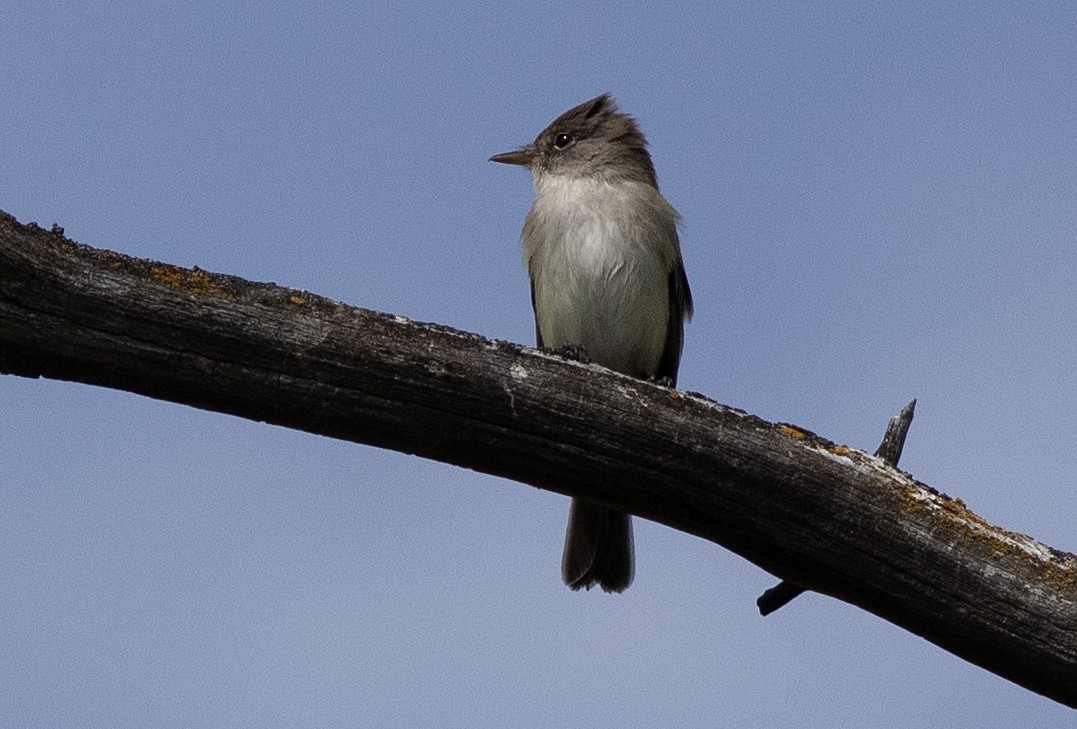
[{"x": 600, "y": 244}]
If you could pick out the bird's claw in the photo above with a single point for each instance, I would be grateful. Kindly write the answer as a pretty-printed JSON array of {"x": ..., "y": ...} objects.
[{"x": 574, "y": 352}]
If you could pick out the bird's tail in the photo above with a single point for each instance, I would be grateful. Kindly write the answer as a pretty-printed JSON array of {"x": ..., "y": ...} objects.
[{"x": 598, "y": 548}]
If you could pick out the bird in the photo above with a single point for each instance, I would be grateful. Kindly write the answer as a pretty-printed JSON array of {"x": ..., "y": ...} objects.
[{"x": 608, "y": 284}]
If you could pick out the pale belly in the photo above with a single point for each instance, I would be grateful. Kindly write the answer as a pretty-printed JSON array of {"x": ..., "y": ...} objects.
[{"x": 589, "y": 295}]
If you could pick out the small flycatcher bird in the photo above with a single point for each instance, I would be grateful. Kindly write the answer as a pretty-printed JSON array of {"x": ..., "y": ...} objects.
[{"x": 600, "y": 245}]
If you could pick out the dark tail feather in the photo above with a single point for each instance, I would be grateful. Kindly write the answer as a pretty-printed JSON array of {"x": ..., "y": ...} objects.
[{"x": 598, "y": 548}]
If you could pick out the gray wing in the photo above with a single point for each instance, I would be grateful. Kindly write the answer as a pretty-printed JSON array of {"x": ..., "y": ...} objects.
[
  {"x": 680, "y": 308},
  {"x": 538, "y": 333}
]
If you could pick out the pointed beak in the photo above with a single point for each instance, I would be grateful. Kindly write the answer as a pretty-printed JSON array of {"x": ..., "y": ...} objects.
[{"x": 522, "y": 156}]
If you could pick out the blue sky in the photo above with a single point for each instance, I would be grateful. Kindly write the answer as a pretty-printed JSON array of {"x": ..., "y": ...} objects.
[{"x": 878, "y": 203}]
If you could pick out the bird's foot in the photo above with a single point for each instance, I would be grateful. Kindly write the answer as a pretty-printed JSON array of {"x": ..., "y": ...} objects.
[{"x": 574, "y": 352}]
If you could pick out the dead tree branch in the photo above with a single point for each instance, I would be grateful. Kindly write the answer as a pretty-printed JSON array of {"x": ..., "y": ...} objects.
[{"x": 829, "y": 518}]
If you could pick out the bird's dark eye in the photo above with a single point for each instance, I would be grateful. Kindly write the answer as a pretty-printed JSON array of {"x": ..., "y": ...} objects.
[{"x": 562, "y": 140}]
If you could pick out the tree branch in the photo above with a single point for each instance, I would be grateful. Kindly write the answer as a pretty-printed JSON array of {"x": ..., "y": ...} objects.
[{"x": 835, "y": 520}]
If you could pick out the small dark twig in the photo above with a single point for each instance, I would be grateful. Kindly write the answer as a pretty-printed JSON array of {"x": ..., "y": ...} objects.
[
  {"x": 890, "y": 451},
  {"x": 778, "y": 596},
  {"x": 896, "y": 430}
]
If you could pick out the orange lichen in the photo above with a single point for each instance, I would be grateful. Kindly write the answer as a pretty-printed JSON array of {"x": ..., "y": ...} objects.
[
  {"x": 197, "y": 283},
  {"x": 791, "y": 432},
  {"x": 1013, "y": 551}
]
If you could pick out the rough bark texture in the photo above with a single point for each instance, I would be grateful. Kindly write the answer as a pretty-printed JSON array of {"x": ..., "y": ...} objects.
[
  {"x": 823, "y": 516},
  {"x": 890, "y": 451}
]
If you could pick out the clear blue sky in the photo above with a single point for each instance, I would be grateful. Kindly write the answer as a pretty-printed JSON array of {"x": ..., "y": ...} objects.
[{"x": 879, "y": 204}]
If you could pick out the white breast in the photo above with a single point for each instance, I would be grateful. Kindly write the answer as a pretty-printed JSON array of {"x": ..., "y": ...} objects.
[{"x": 599, "y": 255}]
